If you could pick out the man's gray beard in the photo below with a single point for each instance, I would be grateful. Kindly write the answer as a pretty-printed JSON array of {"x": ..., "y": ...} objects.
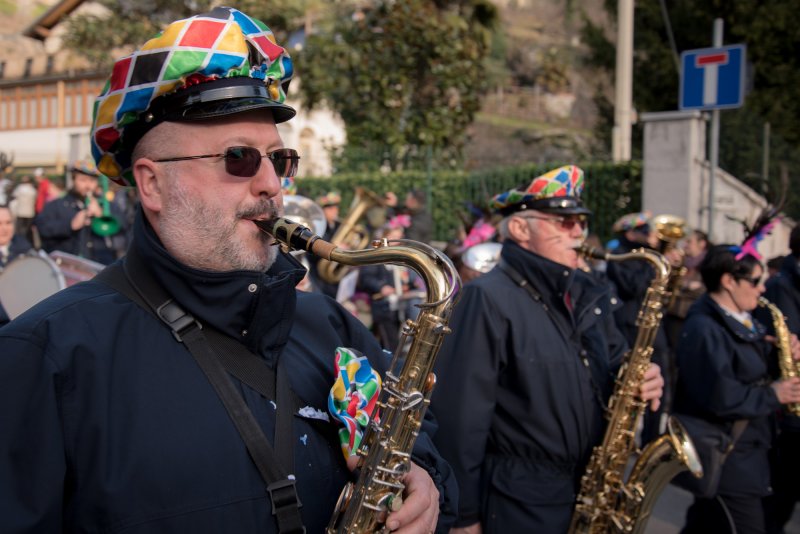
[{"x": 201, "y": 237}]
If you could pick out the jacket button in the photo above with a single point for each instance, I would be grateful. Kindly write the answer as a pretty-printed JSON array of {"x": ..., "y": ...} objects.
[
  {"x": 244, "y": 333},
  {"x": 598, "y": 311},
  {"x": 252, "y": 288},
  {"x": 613, "y": 300}
]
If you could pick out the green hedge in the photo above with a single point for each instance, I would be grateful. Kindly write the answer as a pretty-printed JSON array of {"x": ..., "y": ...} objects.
[{"x": 611, "y": 191}]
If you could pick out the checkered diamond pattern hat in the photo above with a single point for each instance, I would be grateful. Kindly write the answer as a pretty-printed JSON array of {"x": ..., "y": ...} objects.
[{"x": 200, "y": 57}]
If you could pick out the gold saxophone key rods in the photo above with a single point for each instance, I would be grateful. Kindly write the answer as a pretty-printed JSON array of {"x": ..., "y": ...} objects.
[
  {"x": 788, "y": 365},
  {"x": 385, "y": 451},
  {"x": 608, "y": 502}
]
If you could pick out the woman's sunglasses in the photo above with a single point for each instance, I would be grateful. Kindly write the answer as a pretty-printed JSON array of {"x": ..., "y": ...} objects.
[
  {"x": 244, "y": 161},
  {"x": 754, "y": 281}
]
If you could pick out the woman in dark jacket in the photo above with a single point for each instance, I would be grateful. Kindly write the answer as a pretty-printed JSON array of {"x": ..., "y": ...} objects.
[{"x": 722, "y": 378}]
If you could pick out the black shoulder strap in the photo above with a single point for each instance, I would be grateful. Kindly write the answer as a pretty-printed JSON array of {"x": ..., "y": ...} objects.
[{"x": 134, "y": 280}]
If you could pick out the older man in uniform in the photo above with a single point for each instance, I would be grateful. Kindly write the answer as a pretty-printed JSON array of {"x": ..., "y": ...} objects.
[{"x": 525, "y": 378}]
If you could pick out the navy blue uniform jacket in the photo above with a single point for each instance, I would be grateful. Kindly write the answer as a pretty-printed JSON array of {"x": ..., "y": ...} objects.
[
  {"x": 722, "y": 377},
  {"x": 109, "y": 425},
  {"x": 783, "y": 290},
  {"x": 522, "y": 391}
]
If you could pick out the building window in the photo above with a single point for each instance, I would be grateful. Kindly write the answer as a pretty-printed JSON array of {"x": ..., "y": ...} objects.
[
  {"x": 2, "y": 68},
  {"x": 28, "y": 65},
  {"x": 50, "y": 62}
]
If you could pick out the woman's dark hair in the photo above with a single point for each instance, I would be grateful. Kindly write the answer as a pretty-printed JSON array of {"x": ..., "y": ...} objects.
[{"x": 721, "y": 259}]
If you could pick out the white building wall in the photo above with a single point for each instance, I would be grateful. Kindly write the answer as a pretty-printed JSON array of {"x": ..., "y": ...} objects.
[
  {"x": 676, "y": 181},
  {"x": 51, "y": 148}
]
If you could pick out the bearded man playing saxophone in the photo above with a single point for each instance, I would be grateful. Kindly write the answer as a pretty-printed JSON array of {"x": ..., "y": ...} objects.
[
  {"x": 109, "y": 422},
  {"x": 525, "y": 381}
]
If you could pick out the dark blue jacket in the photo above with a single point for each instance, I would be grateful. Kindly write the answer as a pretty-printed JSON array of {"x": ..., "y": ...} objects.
[
  {"x": 109, "y": 425},
  {"x": 522, "y": 391},
  {"x": 53, "y": 225},
  {"x": 783, "y": 290},
  {"x": 722, "y": 377}
]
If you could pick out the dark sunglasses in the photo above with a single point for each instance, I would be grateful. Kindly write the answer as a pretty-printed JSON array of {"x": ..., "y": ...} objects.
[
  {"x": 754, "y": 281},
  {"x": 566, "y": 223},
  {"x": 244, "y": 161}
]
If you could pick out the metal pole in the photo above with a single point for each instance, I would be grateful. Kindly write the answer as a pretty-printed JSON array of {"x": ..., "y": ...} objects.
[
  {"x": 718, "y": 29},
  {"x": 623, "y": 86}
]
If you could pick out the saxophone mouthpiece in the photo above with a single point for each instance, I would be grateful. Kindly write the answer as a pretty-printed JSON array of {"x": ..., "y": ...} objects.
[{"x": 588, "y": 251}]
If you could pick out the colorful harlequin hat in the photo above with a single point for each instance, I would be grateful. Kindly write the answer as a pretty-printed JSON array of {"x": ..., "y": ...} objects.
[
  {"x": 329, "y": 199},
  {"x": 632, "y": 221},
  {"x": 557, "y": 191},
  {"x": 210, "y": 65},
  {"x": 84, "y": 166}
]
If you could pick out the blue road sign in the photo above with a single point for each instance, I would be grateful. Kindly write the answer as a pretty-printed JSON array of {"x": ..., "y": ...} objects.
[{"x": 712, "y": 78}]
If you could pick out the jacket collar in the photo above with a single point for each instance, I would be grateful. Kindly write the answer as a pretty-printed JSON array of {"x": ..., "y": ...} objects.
[
  {"x": 553, "y": 280},
  {"x": 252, "y": 307},
  {"x": 705, "y": 304}
]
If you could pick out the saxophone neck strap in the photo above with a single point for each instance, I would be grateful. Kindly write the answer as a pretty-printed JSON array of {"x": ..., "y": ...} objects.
[
  {"x": 736, "y": 431},
  {"x": 217, "y": 355}
]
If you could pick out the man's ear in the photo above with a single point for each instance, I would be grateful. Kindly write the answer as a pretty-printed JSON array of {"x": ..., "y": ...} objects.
[
  {"x": 518, "y": 229},
  {"x": 145, "y": 172}
]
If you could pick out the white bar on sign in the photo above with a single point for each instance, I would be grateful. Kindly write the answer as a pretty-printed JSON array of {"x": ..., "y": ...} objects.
[{"x": 710, "y": 84}]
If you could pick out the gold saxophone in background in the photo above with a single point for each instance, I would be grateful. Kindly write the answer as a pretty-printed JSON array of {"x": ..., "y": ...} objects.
[
  {"x": 386, "y": 446},
  {"x": 607, "y": 502},
  {"x": 669, "y": 230},
  {"x": 350, "y": 233},
  {"x": 787, "y": 364}
]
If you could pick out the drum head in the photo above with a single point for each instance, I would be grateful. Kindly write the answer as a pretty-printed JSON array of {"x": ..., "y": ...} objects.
[
  {"x": 74, "y": 268},
  {"x": 26, "y": 281}
]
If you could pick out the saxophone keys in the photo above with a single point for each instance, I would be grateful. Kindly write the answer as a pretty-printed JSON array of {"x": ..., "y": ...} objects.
[{"x": 430, "y": 382}]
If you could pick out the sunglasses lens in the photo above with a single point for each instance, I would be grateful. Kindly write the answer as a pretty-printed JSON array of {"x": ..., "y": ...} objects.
[
  {"x": 285, "y": 162},
  {"x": 243, "y": 161},
  {"x": 569, "y": 224}
]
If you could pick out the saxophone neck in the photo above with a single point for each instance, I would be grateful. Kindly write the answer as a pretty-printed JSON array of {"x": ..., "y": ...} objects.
[
  {"x": 441, "y": 278},
  {"x": 658, "y": 261}
]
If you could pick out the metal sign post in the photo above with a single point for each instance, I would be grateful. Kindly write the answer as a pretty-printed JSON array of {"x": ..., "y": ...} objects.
[{"x": 713, "y": 79}]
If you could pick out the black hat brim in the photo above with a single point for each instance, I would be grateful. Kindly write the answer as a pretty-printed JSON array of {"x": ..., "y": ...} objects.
[{"x": 557, "y": 205}]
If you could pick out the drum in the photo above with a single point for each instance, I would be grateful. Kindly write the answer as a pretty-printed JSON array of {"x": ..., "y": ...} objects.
[
  {"x": 482, "y": 257},
  {"x": 75, "y": 269},
  {"x": 28, "y": 280}
]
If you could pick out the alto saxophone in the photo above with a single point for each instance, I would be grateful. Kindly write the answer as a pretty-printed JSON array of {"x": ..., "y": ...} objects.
[
  {"x": 787, "y": 364},
  {"x": 608, "y": 502},
  {"x": 385, "y": 450}
]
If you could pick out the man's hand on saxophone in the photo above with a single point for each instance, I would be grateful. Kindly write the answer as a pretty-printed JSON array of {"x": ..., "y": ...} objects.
[
  {"x": 420, "y": 510},
  {"x": 652, "y": 386}
]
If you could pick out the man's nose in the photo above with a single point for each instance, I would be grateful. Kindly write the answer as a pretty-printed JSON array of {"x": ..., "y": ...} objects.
[{"x": 266, "y": 181}]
